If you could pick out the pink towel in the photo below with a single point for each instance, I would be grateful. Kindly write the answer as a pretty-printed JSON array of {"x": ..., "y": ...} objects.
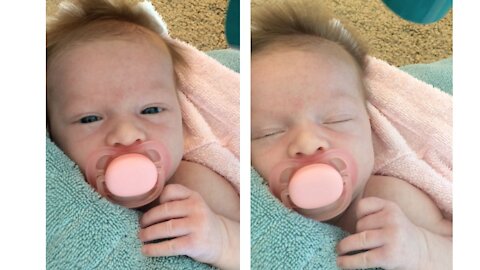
[
  {"x": 210, "y": 99},
  {"x": 412, "y": 130}
]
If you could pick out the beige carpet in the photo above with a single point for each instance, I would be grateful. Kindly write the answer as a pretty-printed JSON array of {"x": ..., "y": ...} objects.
[
  {"x": 393, "y": 39},
  {"x": 200, "y": 23}
]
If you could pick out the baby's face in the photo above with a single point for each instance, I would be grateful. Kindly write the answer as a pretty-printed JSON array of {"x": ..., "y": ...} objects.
[
  {"x": 113, "y": 93},
  {"x": 304, "y": 101}
]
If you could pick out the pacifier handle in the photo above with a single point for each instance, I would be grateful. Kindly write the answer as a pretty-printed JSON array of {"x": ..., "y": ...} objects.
[{"x": 315, "y": 186}]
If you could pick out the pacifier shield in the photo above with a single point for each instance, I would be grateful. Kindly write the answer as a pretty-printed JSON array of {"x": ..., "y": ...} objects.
[
  {"x": 314, "y": 186},
  {"x": 130, "y": 175}
]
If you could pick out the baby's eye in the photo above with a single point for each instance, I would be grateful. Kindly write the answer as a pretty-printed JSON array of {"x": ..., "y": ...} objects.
[
  {"x": 269, "y": 134},
  {"x": 90, "y": 119},
  {"x": 339, "y": 121},
  {"x": 152, "y": 110}
]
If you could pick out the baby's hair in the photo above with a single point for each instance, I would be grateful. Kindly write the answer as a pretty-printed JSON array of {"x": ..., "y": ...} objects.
[
  {"x": 301, "y": 23},
  {"x": 83, "y": 20}
]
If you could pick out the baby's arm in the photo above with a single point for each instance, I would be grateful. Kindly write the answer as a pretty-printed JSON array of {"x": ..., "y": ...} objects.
[
  {"x": 200, "y": 210},
  {"x": 400, "y": 227}
]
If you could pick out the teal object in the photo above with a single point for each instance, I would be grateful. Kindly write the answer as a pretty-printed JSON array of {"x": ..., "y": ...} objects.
[
  {"x": 232, "y": 23},
  {"x": 438, "y": 74},
  {"x": 230, "y": 58},
  {"x": 420, "y": 11}
]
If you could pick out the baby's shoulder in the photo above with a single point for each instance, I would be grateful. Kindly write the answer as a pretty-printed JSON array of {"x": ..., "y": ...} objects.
[
  {"x": 388, "y": 187},
  {"x": 201, "y": 179},
  {"x": 191, "y": 172}
]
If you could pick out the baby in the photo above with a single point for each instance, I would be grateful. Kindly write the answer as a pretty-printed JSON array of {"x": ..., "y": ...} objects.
[
  {"x": 310, "y": 124},
  {"x": 111, "y": 86}
]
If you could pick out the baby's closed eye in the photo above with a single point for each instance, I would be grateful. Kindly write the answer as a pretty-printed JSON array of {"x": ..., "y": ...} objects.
[
  {"x": 338, "y": 121},
  {"x": 267, "y": 134},
  {"x": 337, "y": 118}
]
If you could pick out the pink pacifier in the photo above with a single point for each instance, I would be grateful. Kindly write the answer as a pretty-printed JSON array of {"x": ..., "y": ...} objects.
[
  {"x": 318, "y": 186},
  {"x": 132, "y": 176}
]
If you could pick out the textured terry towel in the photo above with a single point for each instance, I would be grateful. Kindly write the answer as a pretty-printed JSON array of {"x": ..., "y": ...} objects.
[
  {"x": 210, "y": 97},
  {"x": 282, "y": 239},
  {"x": 85, "y": 231},
  {"x": 412, "y": 128},
  {"x": 441, "y": 77}
]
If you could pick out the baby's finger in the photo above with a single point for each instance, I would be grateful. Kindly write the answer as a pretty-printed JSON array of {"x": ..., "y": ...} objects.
[
  {"x": 168, "y": 229},
  {"x": 172, "y": 247},
  {"x": 361, "y": 241},
  {"x": 370, "y": 222},
  {"x": 173, "y": 192},
  {"x": 368, "y": 259},
  {"x": 368, "y": 206},
  {"x": 164, "y": 211}
]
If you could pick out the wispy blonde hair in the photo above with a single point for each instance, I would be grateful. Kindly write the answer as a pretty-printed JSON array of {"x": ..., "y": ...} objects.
[
  {"x": 279, "y": 21},
  {"x": 83, "y": 20}
]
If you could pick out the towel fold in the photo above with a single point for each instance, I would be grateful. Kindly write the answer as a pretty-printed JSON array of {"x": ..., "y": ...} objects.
[
  {"x": 412, "y": 131},
  {"x": 210, "y": 100}
]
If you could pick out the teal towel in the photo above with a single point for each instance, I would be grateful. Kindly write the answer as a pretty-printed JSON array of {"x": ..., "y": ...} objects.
[
  {"x": 227, "y": 57},
  {"x": 85, "y": 231},
  {"x": 438, "y": 74},
  {"x": 283, "y": 239}
]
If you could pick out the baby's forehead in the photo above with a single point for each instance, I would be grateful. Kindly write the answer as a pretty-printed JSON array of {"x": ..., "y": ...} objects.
[
  {"x": 109, "y": 30},
  {"x": 304, "y": 43},
  {"x": 106, "y": 63},
  {"x": 305, "y": 58}
]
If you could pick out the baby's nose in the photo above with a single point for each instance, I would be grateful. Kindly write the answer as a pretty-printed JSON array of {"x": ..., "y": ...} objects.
[
  {"x": 125, "y": 133},
  {"x": 307, "y": 142}
]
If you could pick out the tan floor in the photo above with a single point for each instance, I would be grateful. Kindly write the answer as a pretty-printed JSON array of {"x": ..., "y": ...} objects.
[
  {"x": 393, "y": 39},
  {"x": 200, "y": 23}
]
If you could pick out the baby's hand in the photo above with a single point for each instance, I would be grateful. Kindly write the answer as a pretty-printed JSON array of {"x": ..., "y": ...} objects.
[
  {"x": 385, "y": 238},
  {"x": 184, "y": 217}
]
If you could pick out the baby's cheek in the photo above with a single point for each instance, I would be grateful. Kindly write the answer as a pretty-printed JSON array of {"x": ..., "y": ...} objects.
[
  {"x": 261, "y": 166},
  {"x": 80, "y": 157}
]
